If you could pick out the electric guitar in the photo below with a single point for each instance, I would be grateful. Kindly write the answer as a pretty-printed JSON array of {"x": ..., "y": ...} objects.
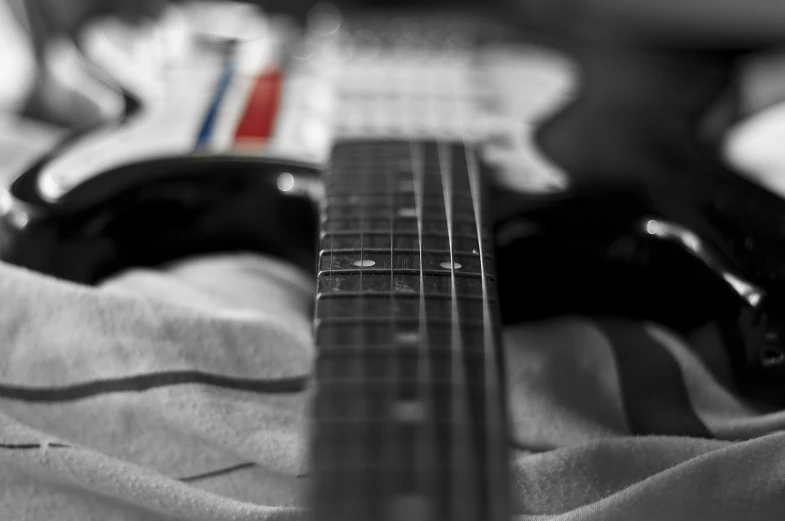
[
  {"x": 361, "y": 144},
  {"x": 362, "y": 150}
]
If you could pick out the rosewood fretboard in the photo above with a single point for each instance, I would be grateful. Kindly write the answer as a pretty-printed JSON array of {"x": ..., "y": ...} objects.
[{"x": 409, "y": 414}]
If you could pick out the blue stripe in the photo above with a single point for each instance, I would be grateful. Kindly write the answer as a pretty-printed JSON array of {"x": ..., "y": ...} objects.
[{"x": 206, "y": 132}]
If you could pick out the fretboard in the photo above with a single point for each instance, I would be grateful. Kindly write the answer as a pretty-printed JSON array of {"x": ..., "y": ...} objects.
[{"x": 409, "y": 420}]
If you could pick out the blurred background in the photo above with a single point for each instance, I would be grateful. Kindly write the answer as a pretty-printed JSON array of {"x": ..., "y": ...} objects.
[{"x": 42, "y": 94}]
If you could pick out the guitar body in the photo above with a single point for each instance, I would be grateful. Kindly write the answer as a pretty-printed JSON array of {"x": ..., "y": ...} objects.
[
  {"x": 441, "y": 177},
  {"x": 409, "y": 418},
  {"x": 653, "y": 224}
]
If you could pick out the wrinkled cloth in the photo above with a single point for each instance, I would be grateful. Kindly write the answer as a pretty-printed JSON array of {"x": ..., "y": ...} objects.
[{"x": 182, "y": 393}]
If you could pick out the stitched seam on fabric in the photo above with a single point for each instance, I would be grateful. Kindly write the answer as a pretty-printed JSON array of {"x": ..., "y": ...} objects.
[{"x": 144, "y": 382}]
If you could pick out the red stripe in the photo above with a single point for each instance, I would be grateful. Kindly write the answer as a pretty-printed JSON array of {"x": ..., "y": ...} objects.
[{"x": 259, "y": 118}]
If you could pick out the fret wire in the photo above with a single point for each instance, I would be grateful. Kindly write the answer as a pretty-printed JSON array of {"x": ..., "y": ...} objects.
[
  {"x": 373, "y": 200},
  {"x": 397, "y": 250},
  {"x": 330, "y": 220},
  {"x": 411, "y": 271},
  {"x": 385, "y": 232},
  {"x": 385, "y": 294},
  {"x": 376, "y": 320}
]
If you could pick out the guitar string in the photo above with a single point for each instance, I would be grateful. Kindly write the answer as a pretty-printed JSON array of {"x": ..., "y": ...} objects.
[
  {"x": 493, "y": 394},
  {"x": 459, "y": 395},
  {"x": 426, "y": 445},
  {"x": 496, "y": 506},
  {"x": 459, "y": 372}
]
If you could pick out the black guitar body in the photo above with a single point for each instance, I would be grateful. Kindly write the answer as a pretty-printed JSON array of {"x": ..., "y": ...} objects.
[
  {"x": 149, "y": 213},
  {"x": 653, "y": 225}
]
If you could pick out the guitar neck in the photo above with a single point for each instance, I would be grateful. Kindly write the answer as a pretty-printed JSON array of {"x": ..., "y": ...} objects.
[{"x": 409, "y": 413}]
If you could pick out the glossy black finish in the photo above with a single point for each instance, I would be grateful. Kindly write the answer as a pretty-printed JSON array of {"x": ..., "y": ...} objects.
[
  {"x": 635, "y": 145},
  {"x": 149, "y": 213}
]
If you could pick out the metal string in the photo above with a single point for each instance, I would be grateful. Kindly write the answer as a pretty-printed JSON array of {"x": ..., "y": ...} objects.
[
  {"x": 493, "y": 391},
  {"x": 462, "y": 122},
  {"x": 458, "y": 388},
  {"x": 427, "y": 442}
]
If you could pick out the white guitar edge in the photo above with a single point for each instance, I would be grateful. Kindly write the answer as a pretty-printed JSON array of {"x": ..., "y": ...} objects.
[{"x": 310, "y": 118}]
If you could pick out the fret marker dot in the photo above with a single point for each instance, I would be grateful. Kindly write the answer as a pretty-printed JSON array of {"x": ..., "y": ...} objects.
[
  {"x": 450, "y": 265},
  {"x": 364, "y": 263},
  {"x": 407, "y": 212},
  {"x": 409, "y": 411},
  {"x": 407, "y": 337}
]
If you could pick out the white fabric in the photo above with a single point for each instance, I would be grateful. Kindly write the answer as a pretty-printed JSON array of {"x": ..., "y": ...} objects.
[{"x": 126, "y": 446}]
